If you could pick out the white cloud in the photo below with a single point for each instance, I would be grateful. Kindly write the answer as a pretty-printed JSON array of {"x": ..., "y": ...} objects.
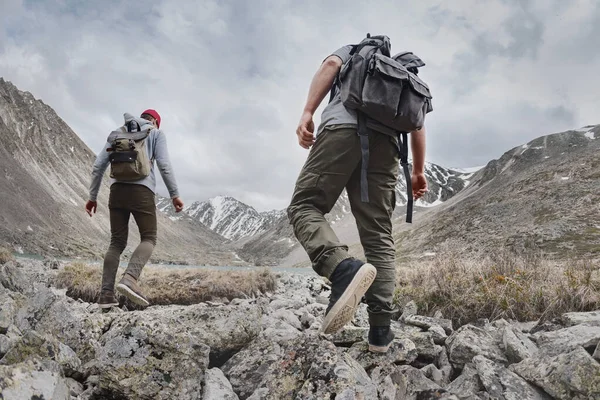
[{"x": 230, "y": 77}]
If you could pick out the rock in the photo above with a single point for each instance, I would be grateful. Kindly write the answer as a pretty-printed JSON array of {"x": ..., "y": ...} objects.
[
  {"x": 467, "y": 384},
  {"x": 289, "y": 317},
  {"x": 500, "y": 323},
  {"x": 438, "y": 315},
  {"x": 315, "y": 309},
  {"x": 350, "y": 335},
  {"x": 427, "y": 322},
  {"x": 470, "y": 341},
  {"x": 577, "y": 318},
  {"x": 216, "y": 386},
  {"x": 428, "y": 351},
  {"x": 361, "y": 318},
  {"x": 33, "y": 379},
  {"x": 597, "y": 352},
  {"x": 566, "y": 339},
  {"x": 402, "y": 351},
  {"x": 409, "y": 308},
  {"x": 573, "y": 375},
  {"x": 75, "y": 388},
  {"x": 413, "y": 384},
  {"x": 286, "y": 303},
  {"x": 307, "y": 319},
  {"x": 51, "y": 263},
  {"x": 501, "y": 383},
  {"x": 278, "y": 330},
  {"x": 13, "y": 279},
  {"x": 443, "y": 364},
  {"x": 141, "y": 358},
  {"x": 50, "y": 312},
  {"x": 546, "y": 326},
  {"x": 435, "y": 374},
  {"x": 524, "y": 327},
  {"x": 307, "y": 367},
  {"x": 9, "y": 305},
  {"x": 438, "y": 334},
  {"x": 33, "y": 345},
  {"x": 517, "y": 345}
]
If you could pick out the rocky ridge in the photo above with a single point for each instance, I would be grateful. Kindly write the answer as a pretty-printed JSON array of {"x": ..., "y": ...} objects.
[{"x": 54, "y": 347}]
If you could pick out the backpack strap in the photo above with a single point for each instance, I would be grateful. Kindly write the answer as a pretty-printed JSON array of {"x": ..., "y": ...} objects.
[
  {"x": 403, "y": 152},
  {"x": 363, "y": 134}
]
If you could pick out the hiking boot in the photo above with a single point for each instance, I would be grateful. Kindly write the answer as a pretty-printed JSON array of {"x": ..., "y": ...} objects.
[
  {"x": 107, "y": 300},
  {"x": 349, "y": 282},
  {"x": 380, "y": 338},
  {"x": 128, "y": 286}
]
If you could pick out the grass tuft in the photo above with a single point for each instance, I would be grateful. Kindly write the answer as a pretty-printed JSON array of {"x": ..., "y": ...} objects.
[
  {"x": 163, "y": 286},
  {"x": 499, "y": 286}
]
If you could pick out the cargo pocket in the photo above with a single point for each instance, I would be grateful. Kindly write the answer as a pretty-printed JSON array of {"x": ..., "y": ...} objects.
[{"x": 307, "y": 180}]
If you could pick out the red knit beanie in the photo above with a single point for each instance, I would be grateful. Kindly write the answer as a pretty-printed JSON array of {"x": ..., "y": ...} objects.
[{"x": 154, "y": 115}]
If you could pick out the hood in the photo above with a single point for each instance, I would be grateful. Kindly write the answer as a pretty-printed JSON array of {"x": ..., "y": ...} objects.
[{"x": 144, "y": 123}]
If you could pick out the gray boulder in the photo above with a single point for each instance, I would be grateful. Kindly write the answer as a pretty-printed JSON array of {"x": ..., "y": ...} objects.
[
  {"x": 33, "y": 379},
  {"x": 470, "y": 341},
  {"x": 501, "y": 383},
  {"x": 216, "y": 386},
  {"x": 574, "y": 375},
  {"x": 144, "y": 359},
  {"x": 566, "y": 339},
  {"x": 427, "y": 322},
  {"x": 401, "y": 351},
  {"x": 517, "y": 345},
  {"x": 591, "y": 318}
]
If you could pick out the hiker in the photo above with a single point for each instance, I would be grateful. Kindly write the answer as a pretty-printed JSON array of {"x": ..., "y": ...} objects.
[
  {"x": 131, "y": 151},
  {"x": 345, "y": 138}
]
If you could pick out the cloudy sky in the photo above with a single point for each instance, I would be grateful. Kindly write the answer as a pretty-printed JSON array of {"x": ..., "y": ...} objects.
[{"x": 230, "y": 77}]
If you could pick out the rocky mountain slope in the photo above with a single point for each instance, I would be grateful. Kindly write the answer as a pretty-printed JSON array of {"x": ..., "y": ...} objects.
[
  {"x": 54, "y": 347},
  {"x": 44, "y": 178},
  {"x": 278, "y": 243},
  {"x": 229, "y": 217},
  {"x": 542, "y": 196}
]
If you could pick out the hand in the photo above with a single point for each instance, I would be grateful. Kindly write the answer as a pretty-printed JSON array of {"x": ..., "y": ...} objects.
[
  {"x": 305, "y": 130},
  {"x": 178, "y": 204},
  {"x": 419, "y": 185},
  {"x": 90, "y": 207}
]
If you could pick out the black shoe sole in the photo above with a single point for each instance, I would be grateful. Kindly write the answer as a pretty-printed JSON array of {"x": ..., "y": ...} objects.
[{"x": 344, "y": 309}]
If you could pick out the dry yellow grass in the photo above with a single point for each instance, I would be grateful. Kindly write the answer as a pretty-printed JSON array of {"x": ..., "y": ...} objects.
[
  {"x": 5, "y": 255},
  {"x": 499, "y": 286},
  {"x": 177, "y": 286}
]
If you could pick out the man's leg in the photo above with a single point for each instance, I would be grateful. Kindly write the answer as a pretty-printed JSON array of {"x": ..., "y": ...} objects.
[
  {"x": 143, "y": 208},
  {"x": 374, "y": 222},
  {"x": 119, "y": 229},
  {"x": 333, "y": 157},
  {"x": 145, "y": 218}
]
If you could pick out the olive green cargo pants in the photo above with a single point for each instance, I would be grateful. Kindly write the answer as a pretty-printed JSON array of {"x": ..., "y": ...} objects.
[
  {"x": 125, "y": 200},
  {"x": 334, "y": 163}
]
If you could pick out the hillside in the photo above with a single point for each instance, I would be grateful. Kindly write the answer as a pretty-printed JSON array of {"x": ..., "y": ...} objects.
[
  {"x": 44, "y": 176},
  {"x": 541, "y": 196}
]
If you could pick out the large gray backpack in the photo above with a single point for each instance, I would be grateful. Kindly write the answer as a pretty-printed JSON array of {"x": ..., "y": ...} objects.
[
  {"x": 387, "y": 95},
  {"x": 129, "y": 160}
]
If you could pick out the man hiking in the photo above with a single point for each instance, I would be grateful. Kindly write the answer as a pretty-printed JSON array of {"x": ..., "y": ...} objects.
[
  {"x": 334, "y": 163},
  {"x": 131, "y": 151}
]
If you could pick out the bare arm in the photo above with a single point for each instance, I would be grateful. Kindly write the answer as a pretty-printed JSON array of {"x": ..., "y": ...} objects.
[
  {"x": 417, "y": 143},
  {"x": 419, "y": 181},
  {"x": 319, "y": 87}
]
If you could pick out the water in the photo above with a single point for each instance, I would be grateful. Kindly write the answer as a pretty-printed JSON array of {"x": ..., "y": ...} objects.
[{"x": 285, "y": 270}]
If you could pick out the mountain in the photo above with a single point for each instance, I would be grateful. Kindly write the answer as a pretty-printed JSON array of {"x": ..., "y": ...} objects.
[
  {"x": 229, "y": 217},
  {"x": 44, "y": 177},
  {"x": 277, "y": 244},
  {"x": 542, "y": 196}
]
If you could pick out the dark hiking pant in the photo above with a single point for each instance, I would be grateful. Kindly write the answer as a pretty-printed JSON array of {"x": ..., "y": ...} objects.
[
  {"x": 125, "y": 200},
  {"x": 334, "y": 163}
]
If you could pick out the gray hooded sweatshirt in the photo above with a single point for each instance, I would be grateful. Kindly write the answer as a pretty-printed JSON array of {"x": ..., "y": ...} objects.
[{"x": 156, "y": 146}]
